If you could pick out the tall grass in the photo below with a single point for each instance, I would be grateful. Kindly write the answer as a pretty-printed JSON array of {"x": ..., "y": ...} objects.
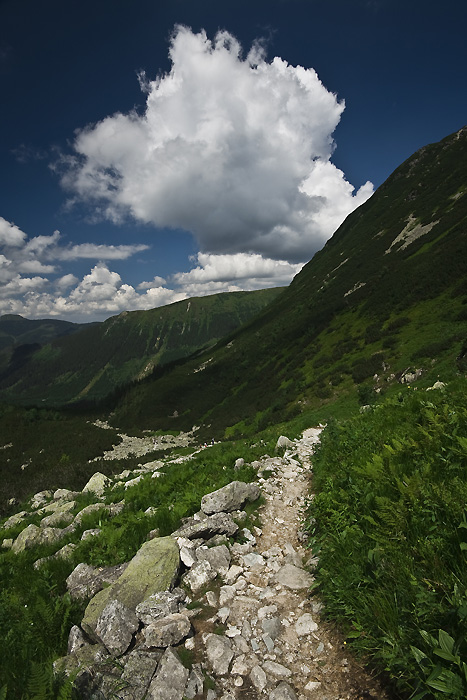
[{"x": 389, "y": 524}]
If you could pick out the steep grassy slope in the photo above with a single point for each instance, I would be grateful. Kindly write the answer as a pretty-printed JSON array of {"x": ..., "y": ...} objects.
[
  {"x": 91, "y": 364},
  {"x": 387, "y": 292}
]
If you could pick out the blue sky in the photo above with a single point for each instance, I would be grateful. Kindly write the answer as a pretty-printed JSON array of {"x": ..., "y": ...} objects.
[{"x": 151, "y": 151}]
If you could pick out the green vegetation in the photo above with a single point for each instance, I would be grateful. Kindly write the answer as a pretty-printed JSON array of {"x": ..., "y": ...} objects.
[
  {"x": 389, "y": 520},
  {"x": 36, "y": 613},
  {"x": 96, "y": 362},
  {"x": 389, "y": 523},
  {"x": 44, "y": 449}
]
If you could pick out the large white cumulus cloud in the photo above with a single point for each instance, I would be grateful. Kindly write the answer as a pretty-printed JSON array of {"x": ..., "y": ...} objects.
[{"x": 234, "y": 149}]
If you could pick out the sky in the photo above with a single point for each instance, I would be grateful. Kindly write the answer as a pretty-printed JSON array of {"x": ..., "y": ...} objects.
[{"x": 152, "y": 151}]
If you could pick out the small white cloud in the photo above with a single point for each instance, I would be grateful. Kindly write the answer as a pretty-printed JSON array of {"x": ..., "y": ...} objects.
[
  {"x": 156, "y": 282},
  {"x": 66, "y": 282},
  {"x": 236, "y": 150},
  {"x": 10, "y": 234}
]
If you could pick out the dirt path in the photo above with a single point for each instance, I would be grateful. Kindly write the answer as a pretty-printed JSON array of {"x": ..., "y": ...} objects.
[{"x": 313, "y": 659}]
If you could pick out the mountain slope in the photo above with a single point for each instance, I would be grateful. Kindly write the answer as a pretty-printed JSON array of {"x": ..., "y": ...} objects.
[
  {"x": 93, "y": 363},
  {"x": 16, "y": 330},
  {"x": 386, "y": 292}
]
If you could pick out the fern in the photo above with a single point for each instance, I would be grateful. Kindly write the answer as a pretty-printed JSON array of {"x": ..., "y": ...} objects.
[{"x": 40, "y": 682}]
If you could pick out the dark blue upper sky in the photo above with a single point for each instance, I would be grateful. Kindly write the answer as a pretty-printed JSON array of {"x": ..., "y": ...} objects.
[{"x": 399, "y": 66}]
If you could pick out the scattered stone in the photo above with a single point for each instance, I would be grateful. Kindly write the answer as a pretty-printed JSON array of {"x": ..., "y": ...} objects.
[
  {"x": 167, "y": 631},
  {"x": 65, "y": 495},
  {"x": 217, "y": 557},
  {"x": 14, "y": 520},
  {"x": 305, "y": 625},
  {"x": 226, "y": 594},
  {"x": 219, "y": 653},
  {"x": 276, "y": 670},
  {"x": 312, "y": 685},
  {"x": 115, "y": 627},
  {"x": 233, "y": 573},
  {"x": 40, "y": 499},
  {"x": 272, "y": 627},
  {"x": 283, "y": 692},
  {"x": 159, "y": 605},
  {"x": 76, "y": 639},
  {"x": 33, "y": 536},
  {"x": 253, "y": 559},
  {"x": 195, "y": 682},
  {"x": 199, "y": 576},
  {"x": 219, "y": 523},
  {"x": 60, "y": 517},
  {"x": 230, "y": 497},
  {"x": 293, "y": 577},
  {"x": 258, "y": 678},
  {"x": 170, "y": 679}
]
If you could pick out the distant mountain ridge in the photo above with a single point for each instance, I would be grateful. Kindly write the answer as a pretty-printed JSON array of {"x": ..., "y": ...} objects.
[
  {"x": 17, "y": 330},
  {"x": 92, "y": 363}
]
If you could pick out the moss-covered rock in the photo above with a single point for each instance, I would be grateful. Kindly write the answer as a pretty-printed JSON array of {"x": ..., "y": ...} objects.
[{"x": 154, "y": 568}]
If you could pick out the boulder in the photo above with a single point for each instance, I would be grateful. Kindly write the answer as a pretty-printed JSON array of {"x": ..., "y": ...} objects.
[
  {"x": 170, "y": 679},
  {"x": 167, "y": 631},
  {"x": 85, "y": 581},
  {"x": 97, "y": 484},
  {"x": 219, "y": 523},
  {"x": 154, "y": 568},
  {"x": 218, "y": 557},
  {"x": 160, "y": 605},
  {"x": 60, "y": 517},
  {"x": 115, "y": 627},
  {"x": 283, "y": 442},
  {"x": 65, "y": 495},
  {"x": 76, "y": 639},
  {"x": 40, "y": 499},
  {"x": 139, "y": 670},
  {"x": 230, "y": 497},
  {"x": 34, "y": 536},
  {"x": 199, "y": 576},
  {"x": 14, "y": 520}
]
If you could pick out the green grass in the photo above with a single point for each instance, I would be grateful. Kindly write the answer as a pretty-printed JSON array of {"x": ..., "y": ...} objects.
[{"x": 389, "y": 525}]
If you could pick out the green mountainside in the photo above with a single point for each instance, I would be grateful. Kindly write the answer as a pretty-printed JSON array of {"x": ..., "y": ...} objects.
[
  {"x": 17, "y": 331},
  {"x": 374, "y": 319},
  {"x": 388, "y": 292},
  {"x": 91, "y": 364}
]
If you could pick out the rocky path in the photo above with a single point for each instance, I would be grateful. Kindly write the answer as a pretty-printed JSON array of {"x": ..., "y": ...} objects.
[{"x": 282, "y": 648}]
